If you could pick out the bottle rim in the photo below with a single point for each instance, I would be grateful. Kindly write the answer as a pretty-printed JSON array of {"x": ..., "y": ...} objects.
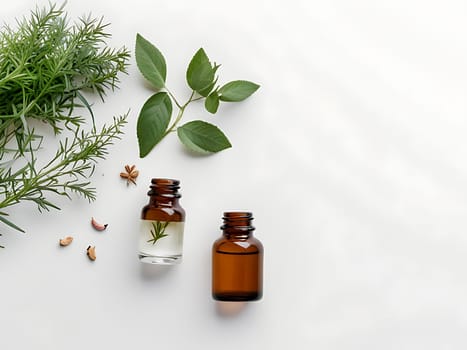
[
  {"x": 238, "y": 214},
  {"x": 237, "y": 220},
  {"x": 164, "y": 181},
  {"x": 164, "y": 187}
]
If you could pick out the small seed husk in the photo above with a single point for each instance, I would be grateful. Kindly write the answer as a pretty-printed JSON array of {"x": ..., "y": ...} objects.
[
  {"x": 98, "y": 226},
  {"x": 66, "y": 241},
  {"x": 91, "y": 252}
]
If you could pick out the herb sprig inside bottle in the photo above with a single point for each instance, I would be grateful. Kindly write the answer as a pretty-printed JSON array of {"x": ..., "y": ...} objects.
[{"x": 154, "y": 121}]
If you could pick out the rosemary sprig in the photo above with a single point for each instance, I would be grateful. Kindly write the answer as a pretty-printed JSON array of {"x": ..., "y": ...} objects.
[
  {"x": 67, "y": 172},
  {"x": 46, "y": 65},
  {"x": 159, "y": 231}
]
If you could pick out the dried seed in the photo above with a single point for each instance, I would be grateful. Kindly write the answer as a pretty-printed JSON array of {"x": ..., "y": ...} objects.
[
  {"x": 130, "y": 175},
  {"x": 98, "y": 226},
  {"x": 91, "y": 252},
  {"x": 66, "y": 241}
]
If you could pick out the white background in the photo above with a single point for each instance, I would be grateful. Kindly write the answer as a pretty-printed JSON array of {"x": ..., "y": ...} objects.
[{"x": 352, "y": 157}]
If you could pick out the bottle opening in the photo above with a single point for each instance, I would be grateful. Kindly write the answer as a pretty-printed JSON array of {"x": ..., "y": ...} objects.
[
  {"x": 165, "y": 182},
  {"x": 238, "y": 215},
  {"x": 164, "y": 187},
  {"x": 238, "y": 220}
]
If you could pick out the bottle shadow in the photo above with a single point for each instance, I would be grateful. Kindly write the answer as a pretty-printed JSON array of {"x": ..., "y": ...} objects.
[
  {"x": 227, "y": 309},
  {"x": 154, "y": 271}
]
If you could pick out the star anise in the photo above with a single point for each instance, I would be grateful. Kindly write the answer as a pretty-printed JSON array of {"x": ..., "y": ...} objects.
[{"x": 130, "y": 175}]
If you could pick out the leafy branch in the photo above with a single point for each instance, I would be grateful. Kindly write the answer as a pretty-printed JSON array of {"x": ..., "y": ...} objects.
[
  {"x": 67, "y": 172},
  {"x": 159, "y": 231},
  {"x": 46, "y": 66},
  {"x": 154, "y": 121}
]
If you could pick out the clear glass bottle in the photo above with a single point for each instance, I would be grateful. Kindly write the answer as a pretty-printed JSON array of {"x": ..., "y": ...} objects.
[
  {"x": 237, "y": 260},
  {"x": 162, "y": 224}
]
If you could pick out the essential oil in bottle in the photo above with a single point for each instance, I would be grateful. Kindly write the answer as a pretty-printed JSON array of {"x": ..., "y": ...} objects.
[
  {"x": 162, "y": 224},
  {"x": 237, "y": 260}
]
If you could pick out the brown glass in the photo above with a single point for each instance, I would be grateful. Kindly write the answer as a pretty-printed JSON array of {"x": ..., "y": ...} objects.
[
  {"x": 164, "y": 202},
  {"x": 163, "y": 207},
  {"x": 237, "y": 260}
]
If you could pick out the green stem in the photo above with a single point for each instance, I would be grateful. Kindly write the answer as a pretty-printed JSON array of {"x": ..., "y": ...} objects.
[
  {"x": 42, "y": 180},
  {"x": 34, "y": 182},
  {"x": 180, "y": 112},
  {"x": 173, "y": 98},
  {"x": 197, "y": 99},
  {"x": 15, "y": 199},
  {"x": 12, "y": 75}
]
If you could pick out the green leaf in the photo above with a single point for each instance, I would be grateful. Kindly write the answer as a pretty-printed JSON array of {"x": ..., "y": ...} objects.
[
  {"x": 200, "y": 73},
  {"x": 151, "y": 62},
  {"x": 207, "y": 90},
  {"x": 153, "y": 121},
  {"x": 202, "y": 137},
  {"x": 159, "y": 231},
  {"x": 212, "y": 102},
  {"x": 9, "y": 223},
  {"x": 237, "y": 90}
]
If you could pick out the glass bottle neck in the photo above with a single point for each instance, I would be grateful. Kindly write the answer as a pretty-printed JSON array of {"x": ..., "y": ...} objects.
[
  {"x": 237, "y": 224},
  {"x": 164, "y": 192},
  {"x": 163, "y": 201}
]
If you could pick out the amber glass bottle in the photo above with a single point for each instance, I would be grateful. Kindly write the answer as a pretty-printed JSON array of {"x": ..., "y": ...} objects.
[
  {"x": 162, "y": 224},
  {"x": 237, "y": 260}
]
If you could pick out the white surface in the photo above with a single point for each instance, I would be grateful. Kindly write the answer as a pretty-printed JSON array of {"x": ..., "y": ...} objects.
[{"x": 352, "y": 156}]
